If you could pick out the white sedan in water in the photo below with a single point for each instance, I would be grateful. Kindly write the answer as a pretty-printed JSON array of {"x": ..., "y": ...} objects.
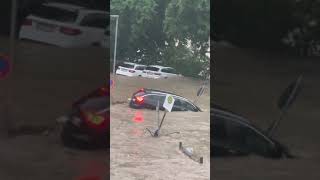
[
  {"x": 130, "y": 69},
  {"x": 65, "y": 25},
  {"x": 156, "y": 72}
]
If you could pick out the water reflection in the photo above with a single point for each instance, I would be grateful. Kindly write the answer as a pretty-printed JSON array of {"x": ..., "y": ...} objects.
[{"x": 138, "y": 117}]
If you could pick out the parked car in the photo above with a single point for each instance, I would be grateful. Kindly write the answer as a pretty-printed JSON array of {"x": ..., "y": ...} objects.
[
  {"x": 86, "y": 126},
  {"x": 64, "y": 25},
  {"x": 155, "y": 72},
  {"x": 130, "y": 69},
  {"x": 233, "y": 134},
  {"x": 149, "y": 98}
]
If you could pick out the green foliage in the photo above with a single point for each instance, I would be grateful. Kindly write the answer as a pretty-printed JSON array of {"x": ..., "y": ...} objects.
[
  {"x": 260, "y": 23},
  {"x": 161, "y": 30}
]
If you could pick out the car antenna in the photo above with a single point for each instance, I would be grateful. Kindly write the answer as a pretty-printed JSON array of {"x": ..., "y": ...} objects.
[{"x": 285, "y": 101}]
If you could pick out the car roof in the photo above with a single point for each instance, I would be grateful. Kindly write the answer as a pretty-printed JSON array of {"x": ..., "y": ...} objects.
[
  {"x": 73, "y": 7},
  {"x": 158, "y": 66},
  {"x": 155, "y": 91},
  {"x": 134, "y": 64},
  {"x": 64, "y": 6},
  {"x": 217, "y": 110}
]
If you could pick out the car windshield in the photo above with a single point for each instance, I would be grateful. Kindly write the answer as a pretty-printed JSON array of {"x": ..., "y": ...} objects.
[
  {"x": 151, "y": 68},
  {"x": 56, "y": 14}
]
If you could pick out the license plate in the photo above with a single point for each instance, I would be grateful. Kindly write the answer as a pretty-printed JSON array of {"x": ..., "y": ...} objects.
[
  {"x": 149, "y": 73},
  {"x": 45, "y": 27},
  {"x": 124, "y": 70}
]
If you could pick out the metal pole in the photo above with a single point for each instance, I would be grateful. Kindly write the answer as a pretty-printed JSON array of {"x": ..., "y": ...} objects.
[
  {"x": 13, "y": 29},
  {"x": 7, "y": 119},
  {"x": 115, "y": 45}
]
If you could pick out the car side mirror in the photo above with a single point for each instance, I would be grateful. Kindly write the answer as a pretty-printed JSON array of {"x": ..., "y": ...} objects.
[{"x": 290, "y": 94}]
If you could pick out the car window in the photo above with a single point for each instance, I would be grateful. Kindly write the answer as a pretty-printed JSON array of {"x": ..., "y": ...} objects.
[
  {"x": 96, "y": 104},
  {"x": 54, "y": 13},
  {"x": 130, "y": 66},
  {"x": 169, "y": 70},
  {"x": 188, "y": 106},
  {"x": 150, "y": 68},
  {"x": 152, "y": 100},
  {"x": 236, "y": 134},
  {"x": 95, "y": 20},
  {"x": 178, "y": 105},
  {"x": 140, "y": 68},
  {"x": 218, "y": 129}
]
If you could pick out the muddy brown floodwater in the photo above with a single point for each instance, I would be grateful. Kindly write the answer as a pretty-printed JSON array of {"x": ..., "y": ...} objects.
[
  {"x": 250, "y": 83},
  {"x": 135, "y": 155}
]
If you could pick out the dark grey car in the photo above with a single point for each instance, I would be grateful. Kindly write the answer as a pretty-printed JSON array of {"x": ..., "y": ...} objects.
[
  {"x": 149, "y": 98},
  {"x": 232, "y": 134}
]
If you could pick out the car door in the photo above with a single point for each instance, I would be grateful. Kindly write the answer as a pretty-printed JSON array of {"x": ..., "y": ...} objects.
[
  {"x": 94, "y": 26},
  {"x": 239, "y": 137}
]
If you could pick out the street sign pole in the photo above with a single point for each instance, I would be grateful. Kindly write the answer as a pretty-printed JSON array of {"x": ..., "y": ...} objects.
[
  {"x": 7, "y": 119},
  {"x": 168, "y": 104},
  {"x": 115, "y": 43}
]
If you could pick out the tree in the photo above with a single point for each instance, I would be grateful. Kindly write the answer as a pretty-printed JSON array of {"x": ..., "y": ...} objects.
[
  {"x": 259, "y": 24},
  {"x": 152, "y": 30}
]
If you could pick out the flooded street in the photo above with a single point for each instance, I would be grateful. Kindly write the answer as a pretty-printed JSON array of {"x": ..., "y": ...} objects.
[
  {"x": 250, "y": 84},
  {"x": 136, "y": 155}
]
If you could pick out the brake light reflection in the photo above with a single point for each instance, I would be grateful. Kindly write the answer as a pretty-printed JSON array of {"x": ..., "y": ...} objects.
[{"x": 138, "y": 117}]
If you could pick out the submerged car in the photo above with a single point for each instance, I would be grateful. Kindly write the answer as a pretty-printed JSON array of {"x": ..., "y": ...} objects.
[
  {"x": 149, "y": 99},
  {"x": 233, "y": 134},
  {"x": 65, "y": 25},
  {"x": 86, "y": 126},
  {"x": 156, "y": 72},
  {"x": 130, "y": 69}
]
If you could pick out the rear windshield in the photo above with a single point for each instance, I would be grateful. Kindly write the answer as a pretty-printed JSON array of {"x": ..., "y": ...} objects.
[
  {"x": 95, "y": 104},
  {"x": 127, "y": 65},
  {"x": 152, "y": 68},
  {"x": 169, "y": 70},
  {"x": 56, "y": 14}
]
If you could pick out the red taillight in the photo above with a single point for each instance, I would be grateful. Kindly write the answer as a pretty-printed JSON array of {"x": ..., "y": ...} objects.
[
  {"x": 27, "y": 22},
  {"x": 70, "y": 31},
  {"x": 132, "y": 71},
  {"x": 139, "y": 99},
  {"x": 157, "y": 74}
]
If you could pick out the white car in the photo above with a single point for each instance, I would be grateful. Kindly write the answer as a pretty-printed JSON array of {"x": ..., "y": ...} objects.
[
  {"x": 130, "y": 69},
  {"x": 65, "y": 25},
  {"x": 157, "y": 72}
]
